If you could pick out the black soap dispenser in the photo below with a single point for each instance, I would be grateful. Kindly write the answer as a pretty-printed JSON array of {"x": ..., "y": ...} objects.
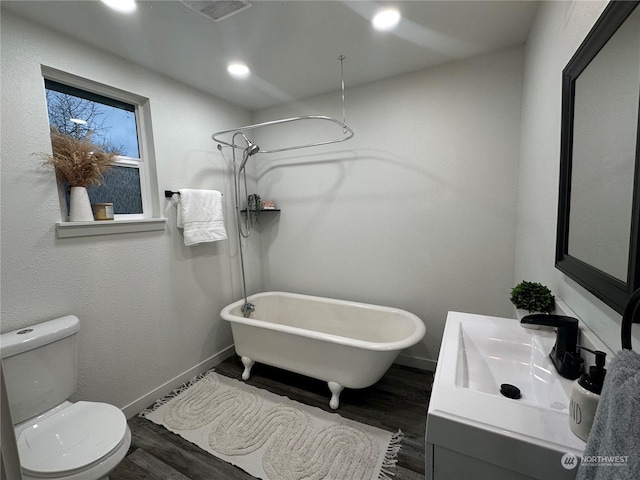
[{"x": 585, "y": 395}]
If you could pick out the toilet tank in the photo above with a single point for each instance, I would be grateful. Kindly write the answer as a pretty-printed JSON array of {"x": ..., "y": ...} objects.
[{"x": 40, "y": 365}]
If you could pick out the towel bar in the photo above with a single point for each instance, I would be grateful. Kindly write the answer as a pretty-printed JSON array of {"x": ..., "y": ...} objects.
[
  {"x": 170, "y": 193},
  {"x": 630, "y": 316}
]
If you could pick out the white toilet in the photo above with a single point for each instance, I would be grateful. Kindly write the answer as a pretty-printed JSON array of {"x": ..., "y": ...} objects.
[{"x": 56, "y": 438}]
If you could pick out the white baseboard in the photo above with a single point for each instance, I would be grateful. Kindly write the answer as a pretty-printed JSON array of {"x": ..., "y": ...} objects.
[
  {"x": 416, "y": 362},
  {"x": 143, "y": 402}
]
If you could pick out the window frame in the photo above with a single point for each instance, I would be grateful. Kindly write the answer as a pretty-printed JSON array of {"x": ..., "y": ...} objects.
[{"x": 149, "y": 219}]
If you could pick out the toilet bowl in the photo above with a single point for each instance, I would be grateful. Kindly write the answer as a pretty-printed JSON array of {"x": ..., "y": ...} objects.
[
  {"x": 55, "y": 437},
  {"x": 74, "y": 441}
]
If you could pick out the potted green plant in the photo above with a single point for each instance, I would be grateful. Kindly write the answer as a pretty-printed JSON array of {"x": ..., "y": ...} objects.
[
  {"x": 532, "y": 297},
  {"x": 79, "y": 163}
]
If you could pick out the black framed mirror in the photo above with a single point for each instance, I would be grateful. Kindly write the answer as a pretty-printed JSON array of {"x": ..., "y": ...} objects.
[{"x": 598, "y": 228}]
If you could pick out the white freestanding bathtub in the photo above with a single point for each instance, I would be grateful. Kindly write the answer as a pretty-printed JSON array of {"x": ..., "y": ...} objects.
[{"x": 346, "y": 344}]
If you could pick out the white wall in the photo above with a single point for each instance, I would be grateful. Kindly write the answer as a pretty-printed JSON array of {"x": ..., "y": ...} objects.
[
  {"x": 417, "y": 211},
  {"x": 559, "y": 30},
  {"x": 148, "y": 306}
]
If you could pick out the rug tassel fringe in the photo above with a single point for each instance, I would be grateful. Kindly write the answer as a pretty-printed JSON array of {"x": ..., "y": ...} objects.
[
  {"x": 388, "y": 469},
  {"x": 174, "y": 393}
]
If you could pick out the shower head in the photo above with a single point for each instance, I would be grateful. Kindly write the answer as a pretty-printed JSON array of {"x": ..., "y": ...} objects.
[{"x": 251, "y": 149}]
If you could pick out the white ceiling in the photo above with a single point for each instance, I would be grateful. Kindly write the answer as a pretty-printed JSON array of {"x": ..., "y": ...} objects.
[{"x": 292, "y": 47}]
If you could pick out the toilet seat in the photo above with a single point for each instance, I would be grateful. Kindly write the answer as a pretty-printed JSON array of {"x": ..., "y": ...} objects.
[{"x": 71, "y": 440}]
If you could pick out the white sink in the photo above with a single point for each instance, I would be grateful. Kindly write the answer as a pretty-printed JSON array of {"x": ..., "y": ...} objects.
[
  {"x": 473, "y": 431},
  {"x": 490, "y": 354}
]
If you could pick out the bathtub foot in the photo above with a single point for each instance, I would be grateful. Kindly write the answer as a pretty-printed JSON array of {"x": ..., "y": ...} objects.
[
  {"x": 335, "y": 388},
  {"x": 248, "y": 363}
]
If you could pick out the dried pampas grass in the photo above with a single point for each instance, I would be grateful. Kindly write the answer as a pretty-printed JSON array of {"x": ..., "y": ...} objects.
[{"x": 78, "y": 161}]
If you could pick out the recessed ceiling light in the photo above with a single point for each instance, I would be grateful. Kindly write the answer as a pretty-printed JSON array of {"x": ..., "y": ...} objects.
[
  {"x": 239, "y": 70},
  {"x": 123, "y": 6},
  {"x": 386, "y": 19}
]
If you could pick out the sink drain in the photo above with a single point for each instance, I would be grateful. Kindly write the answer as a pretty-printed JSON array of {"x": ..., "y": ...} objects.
[{"x": 510, "y": 391}]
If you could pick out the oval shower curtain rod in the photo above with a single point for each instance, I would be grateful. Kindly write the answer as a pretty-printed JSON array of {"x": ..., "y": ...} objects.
[{"x": 346, "y": 130}]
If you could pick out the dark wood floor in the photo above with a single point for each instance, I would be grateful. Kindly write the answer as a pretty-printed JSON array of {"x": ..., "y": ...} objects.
[{"x": 398, "y": 401}]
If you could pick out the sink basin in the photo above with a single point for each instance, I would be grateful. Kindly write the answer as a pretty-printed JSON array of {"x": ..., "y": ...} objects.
[
  {"x": 473, "y": 431},
  {"x": 491, "y": 355}
]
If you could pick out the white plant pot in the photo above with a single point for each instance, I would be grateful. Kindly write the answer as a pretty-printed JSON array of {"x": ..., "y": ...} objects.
[{"x": 79, "y": 205}]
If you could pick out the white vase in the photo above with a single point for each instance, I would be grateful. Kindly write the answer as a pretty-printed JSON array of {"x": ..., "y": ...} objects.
[{"x": 79, "y": 205}]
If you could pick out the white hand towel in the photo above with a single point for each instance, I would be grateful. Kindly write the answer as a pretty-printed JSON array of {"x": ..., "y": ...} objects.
[{"x": 200, "y": 214}]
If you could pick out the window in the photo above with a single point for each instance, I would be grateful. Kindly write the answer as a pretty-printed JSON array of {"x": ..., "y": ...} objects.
[{"x": 114, "y": 125}]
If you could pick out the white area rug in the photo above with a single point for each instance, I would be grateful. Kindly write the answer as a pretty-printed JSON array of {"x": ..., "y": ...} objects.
[{"x": 272, "y": 437}]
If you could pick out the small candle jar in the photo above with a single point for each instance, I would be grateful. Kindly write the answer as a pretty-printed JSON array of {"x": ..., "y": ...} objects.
[{"x": 103, "y": 211}]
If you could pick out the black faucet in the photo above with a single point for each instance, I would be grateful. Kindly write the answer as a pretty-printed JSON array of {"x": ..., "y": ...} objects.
[{"x": 564, "y": 355}]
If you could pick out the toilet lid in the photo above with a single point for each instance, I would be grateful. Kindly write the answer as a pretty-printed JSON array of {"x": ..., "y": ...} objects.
[{"x": 71, "y": 439}]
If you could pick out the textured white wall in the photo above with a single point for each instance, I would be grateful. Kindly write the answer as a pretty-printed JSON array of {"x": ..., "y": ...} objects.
[
  {"x": 417, "y": 211},
  {"x": 559, "y": 30},
  {"x": 148, "y": 305}
]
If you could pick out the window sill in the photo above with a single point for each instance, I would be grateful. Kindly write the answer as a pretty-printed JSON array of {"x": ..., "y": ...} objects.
[{"x": 108, "y": 227}]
